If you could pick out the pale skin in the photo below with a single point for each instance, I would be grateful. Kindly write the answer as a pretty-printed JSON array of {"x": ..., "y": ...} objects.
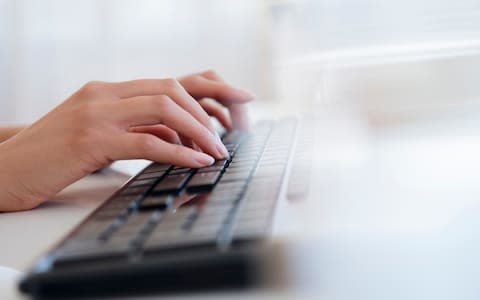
[{"x": 163, "y": 120}]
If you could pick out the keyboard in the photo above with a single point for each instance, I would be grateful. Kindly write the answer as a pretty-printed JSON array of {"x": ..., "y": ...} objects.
[{"x": 171, "y": 228}]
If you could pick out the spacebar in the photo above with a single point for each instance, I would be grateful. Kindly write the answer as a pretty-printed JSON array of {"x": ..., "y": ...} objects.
[{"x": 89, "y": 254}]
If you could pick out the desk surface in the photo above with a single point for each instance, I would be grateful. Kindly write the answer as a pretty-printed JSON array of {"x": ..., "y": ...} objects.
[{"x": 394, "y": 214}]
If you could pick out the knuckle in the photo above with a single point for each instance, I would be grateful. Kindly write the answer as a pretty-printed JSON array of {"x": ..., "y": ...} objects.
[
  {"x": 92, "y": 88},
  {"x": 145, "y": 143},
  {"x": 210, "y": 72},
  {"x": 171, "y": 84},
  {"x": 162, "y": 101}
]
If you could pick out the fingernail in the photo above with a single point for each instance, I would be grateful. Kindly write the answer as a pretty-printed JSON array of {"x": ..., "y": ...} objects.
[
  {"x": 244, "y": 95},
  {"x": 204, "y": 159},
  {"x": 222, "y": 151}
]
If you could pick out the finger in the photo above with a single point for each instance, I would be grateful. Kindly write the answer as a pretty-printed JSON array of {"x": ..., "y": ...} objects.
[
  {"x": 169, "y": 87},
  {"x": 201, "y": 87},
  {"x": 218, "y": 111},
  {"x": 160, "y": 131},
  {"x": 147, "y": 146},
  {"x": 239, "y": 114},
  {"x": 212, "y": 75},
  {"x": 153, "y": 110},
  {"x": 187, "y": 142},
  {"x": 195, "y": 147}
]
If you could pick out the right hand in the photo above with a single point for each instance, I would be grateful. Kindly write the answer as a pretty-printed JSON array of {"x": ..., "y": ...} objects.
[{"x": 93, "y": 128}]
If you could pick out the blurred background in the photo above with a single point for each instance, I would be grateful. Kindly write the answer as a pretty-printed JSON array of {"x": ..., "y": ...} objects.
[
  {"x": 389, "y": 60},
  {"x": 394, "y": 84}
]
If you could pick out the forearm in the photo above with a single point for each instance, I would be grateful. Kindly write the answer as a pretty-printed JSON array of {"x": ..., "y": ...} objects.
[{"x": 8, "y": 132}]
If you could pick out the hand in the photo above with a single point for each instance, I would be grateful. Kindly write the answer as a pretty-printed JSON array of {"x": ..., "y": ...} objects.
[
  {"x": 214, "y": 95},
  {"x": 219, "y": 99},
  {"x": 101, "y": 123}
]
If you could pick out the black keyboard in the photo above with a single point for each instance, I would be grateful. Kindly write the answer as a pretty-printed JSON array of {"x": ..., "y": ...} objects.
[{"x": 172, "y": 228}]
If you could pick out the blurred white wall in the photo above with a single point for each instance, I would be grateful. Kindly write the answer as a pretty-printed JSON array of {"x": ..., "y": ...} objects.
[
  {"x": 384, "y": 57},
  {"x": 390, "y": 60},
  {"x": 49, "y": 48}
]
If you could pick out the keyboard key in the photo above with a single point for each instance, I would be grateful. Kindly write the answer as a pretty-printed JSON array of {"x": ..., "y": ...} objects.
[
  {"x": 132, "y": 226},
  {"x": 90, "y": 230},
  {"x": 206, "y": 230},
  {"x": 151, "y": 175},
  {"x": 232, "y": 148},
  {"x": 171, "y": 184},
  {"x": 180, "y": 168},
  {"x": 251, "y": 230},
  {"x": 138, "y": 240},
  {"x": 113, "y": 207},
  {"x": 233, "y": 137},
  {"x": 226, "y": 201},
  {"x": 190, "y": 220},
  {"x": 156, "y": 168},
  {"x": 155, "y": 243},
  {"x": 233, "y": 192},
  {"x": 135, "y": 190},
  {"x": 228, "y": 187},
  {"x": 235, "y": 176},
  {"x": 270, "y": 171},
  {"x": 160, "y": 202},
  {"x": 215, "y": 213},
  {"x": 107, "y": 213},
  {"x": 239, "y": 168},
  {"x": 244, "y": 164},
  {"x": 220, "y": 163},
  {"x": 175, "y": 237},
  {"x": 89, "y": 253},
  {"x": 173, "y": 220},
  {"x": 148, "y": 181},
  {"x": 179, "y": 171},
  {"x": 211, "y": 169},
  {"x": 208, "y": 220},
  {"x": 203, "y": 181}
]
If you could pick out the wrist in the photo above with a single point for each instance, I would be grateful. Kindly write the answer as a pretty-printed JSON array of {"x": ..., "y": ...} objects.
[{"x": 14, "y": 195}]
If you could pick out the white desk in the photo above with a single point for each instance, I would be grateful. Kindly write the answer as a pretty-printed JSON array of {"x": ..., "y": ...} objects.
[{"x": 394, "y": 214}]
